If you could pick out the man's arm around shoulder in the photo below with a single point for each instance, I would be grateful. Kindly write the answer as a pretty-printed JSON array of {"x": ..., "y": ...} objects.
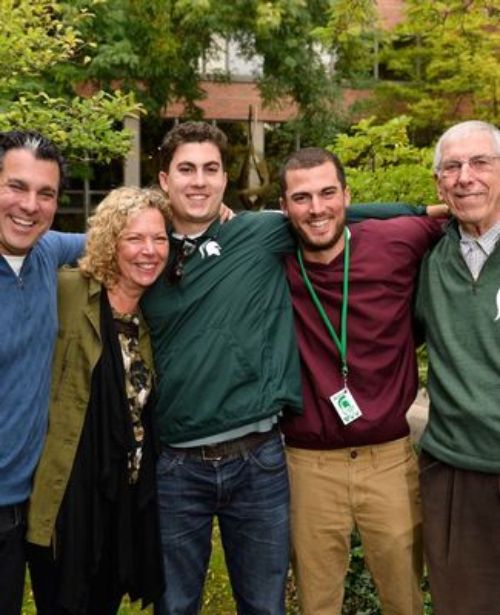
[{"x": 66, "y": 247}]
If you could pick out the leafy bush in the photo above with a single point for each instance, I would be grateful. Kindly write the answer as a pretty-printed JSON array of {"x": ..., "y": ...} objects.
[{"x": 382, "y": 165}]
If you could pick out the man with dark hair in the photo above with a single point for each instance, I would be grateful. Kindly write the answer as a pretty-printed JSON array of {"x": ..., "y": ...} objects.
[
  {"x": 31, "y": 172},
  {"x": 227, "y": 364},
  {"x": 192, "y": 132},
  {"x": 309, "y": 158},
  {"x": 350, "y": 459},
  {"x": 458, "y": 304}
]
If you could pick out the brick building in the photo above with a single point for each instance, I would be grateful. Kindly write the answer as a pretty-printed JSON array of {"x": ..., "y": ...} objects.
[{"x": 231, "y": 101}]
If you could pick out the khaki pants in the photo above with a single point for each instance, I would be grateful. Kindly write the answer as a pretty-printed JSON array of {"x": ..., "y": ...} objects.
[{"x": 374, "y": 488}]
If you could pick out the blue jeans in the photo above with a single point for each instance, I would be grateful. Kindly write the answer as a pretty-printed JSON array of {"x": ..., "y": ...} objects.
[{"x": 249, "y": 496}]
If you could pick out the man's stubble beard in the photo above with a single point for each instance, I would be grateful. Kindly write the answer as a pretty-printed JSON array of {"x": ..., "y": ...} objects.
[{"x": 326, "y": 245}]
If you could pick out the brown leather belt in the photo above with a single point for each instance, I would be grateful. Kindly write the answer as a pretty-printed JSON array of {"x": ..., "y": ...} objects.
[{"x": 225, "y": 450}]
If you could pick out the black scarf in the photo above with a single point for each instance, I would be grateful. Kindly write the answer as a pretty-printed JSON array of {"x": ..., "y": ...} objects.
[{"x": 106, "y": 525}]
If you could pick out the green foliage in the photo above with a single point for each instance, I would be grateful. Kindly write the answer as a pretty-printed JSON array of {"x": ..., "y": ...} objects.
[
  {"x": 446, "y": 58},
  {"x": 372, "y": 146},
  {"x": 146, "y": 47},
  {"x": 408, "y": 183},
  {"x": 352, "y": 30},
  {"x": 440, "y": 65},
  {"x": 293, "y": 64},
  {"x": 382, "y": 165},
  {"x": 39, "y": 40},
  {"x": 32, "y": 39},
  {"x": 28, "y": 602},
  {"x": 82, "y": 127},
  {"x": 423, "y": 365},
  {"x": 360, "y": 595},
  {"x": 217, "y": 597},
  {"x": 154, "y": 48}
]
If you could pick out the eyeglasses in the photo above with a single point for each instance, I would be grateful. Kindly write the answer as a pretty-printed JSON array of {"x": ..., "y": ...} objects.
[
  {"x": 477, "y": 164},
  {"x": 175, "y": 272}
]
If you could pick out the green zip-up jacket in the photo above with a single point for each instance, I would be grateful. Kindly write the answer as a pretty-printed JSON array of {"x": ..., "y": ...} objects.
[
  {"x": 461, "y": 318},
  {"x": 223, "y": 338},
  {"x": 78, "y": 349}
]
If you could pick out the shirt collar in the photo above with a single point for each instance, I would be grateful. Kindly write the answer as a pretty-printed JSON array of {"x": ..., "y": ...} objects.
[
  {"x": 487, "y": 241},
  {"x": 211, "y": 231}
]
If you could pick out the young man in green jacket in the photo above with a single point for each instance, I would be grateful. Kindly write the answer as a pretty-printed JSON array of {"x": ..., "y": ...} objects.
[
  {"x": 227, "y": 364},
  {"x": 459, "y": 305}
]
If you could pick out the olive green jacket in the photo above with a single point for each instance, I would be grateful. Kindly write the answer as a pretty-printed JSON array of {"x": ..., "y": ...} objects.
[{"x": 78, "y": 349}]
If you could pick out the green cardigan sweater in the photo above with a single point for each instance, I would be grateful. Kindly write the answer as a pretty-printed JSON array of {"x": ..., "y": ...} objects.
[{"x": 461, "y": 318}]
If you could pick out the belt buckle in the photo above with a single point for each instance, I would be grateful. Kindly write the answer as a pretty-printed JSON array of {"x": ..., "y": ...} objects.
[{"x": 206, "y": 456}]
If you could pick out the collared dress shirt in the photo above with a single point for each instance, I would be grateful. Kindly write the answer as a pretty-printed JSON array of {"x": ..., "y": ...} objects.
[{"x": 476, "y": 250}]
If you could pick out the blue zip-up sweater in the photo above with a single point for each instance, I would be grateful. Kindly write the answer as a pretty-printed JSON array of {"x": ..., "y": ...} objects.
[{"x": 28, "y": 328}]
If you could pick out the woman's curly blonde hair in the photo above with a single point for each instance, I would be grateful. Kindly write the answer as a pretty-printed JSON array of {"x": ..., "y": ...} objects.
[{"x": 107, "y": 223}]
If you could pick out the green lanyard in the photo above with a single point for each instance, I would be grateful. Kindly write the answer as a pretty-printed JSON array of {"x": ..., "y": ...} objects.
[{"x": 341, "y": 343}]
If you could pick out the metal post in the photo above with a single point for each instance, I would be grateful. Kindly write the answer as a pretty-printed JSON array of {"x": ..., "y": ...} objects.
[{"x": 86, "y": 189}]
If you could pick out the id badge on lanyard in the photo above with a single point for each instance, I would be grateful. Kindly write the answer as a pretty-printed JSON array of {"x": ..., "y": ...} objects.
[
  {"x": 342, "y": 401},
  {"x": 346, "y": 406}
]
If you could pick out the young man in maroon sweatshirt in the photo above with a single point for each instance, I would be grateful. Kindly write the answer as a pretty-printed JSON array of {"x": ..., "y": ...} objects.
[{"x": 350, "y": 458}]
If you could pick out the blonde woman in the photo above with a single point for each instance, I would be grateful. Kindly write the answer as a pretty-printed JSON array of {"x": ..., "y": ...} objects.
[{"x": 92, "y": 526}]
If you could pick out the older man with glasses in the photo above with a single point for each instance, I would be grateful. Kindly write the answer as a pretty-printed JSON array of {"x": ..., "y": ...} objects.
[{"x": 459, "y": 305}]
